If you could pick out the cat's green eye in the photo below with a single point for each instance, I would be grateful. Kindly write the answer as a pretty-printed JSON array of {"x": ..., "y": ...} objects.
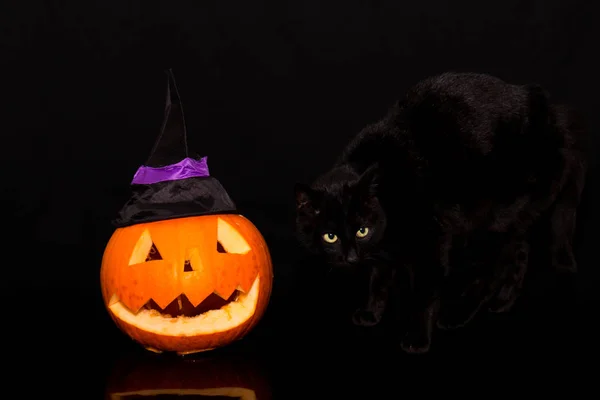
[
  {"x": 362, "y": 232},
  {"x": 330, "y": 237}
]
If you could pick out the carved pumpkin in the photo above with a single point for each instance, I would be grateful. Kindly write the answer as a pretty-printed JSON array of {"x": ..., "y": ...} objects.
[
  {"x": 187, "y": 284},
  {"x": 211, "y": 378},
  {"x": 183, "y": 272}
]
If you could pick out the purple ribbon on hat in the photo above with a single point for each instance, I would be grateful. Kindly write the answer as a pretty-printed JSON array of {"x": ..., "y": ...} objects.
[{"x": 186, "y": 168}]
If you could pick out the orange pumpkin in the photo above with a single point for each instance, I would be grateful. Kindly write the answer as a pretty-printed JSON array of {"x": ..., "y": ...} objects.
[
  {"x": 211, "y": 377},
  {"x": 187, "y": 285}
]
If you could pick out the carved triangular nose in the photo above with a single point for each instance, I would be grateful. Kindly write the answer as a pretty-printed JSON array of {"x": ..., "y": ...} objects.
[{"x": 187, "y": 266}]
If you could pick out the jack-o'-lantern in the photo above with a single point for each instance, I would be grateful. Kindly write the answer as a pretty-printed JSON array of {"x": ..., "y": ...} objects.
[
  {"x": 224, "y": 376},
  {"x": 183, "y": 272}
]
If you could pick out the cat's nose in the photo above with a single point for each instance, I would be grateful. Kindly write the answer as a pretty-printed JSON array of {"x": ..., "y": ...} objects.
[{"x": 351, "y": 257}]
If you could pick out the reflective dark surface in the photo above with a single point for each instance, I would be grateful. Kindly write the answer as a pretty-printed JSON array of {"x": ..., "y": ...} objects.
[
  {"x": 214, "y": 377},
  {"x": 64, "y": 341}
]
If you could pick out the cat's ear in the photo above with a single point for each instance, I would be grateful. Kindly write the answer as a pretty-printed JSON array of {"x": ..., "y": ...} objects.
[
  {"x": 305, "y": 196},
  {"x": 369, "y": 180}
]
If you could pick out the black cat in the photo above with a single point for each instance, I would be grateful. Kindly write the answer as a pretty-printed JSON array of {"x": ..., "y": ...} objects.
[{"x": 443, "y": 193}]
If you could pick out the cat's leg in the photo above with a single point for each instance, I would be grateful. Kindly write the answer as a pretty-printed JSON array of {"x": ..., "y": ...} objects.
[
  {"x": 421, "y": 322},
  {"x": 515, "y": 269},
  {"x": 459, "y": 309},
  {"x": 464, "y": 295},
  {"x": 563, "y": 227},
  {"x": 563, "y": 218},
  {"x": 424, "y": 302},
  {"x": 380, "y": 283},
  {"x": 562, "y": 231}
]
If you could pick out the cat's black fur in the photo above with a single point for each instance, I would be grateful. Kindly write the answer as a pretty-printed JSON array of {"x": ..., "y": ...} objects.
[{"x": 449, "y": 184}]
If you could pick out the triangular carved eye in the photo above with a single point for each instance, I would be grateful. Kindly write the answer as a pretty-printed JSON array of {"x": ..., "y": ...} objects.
[
  {"x": 153, "y": 254},
  {"x": 144, "y": 250},
  {"x": 229, "y": 240}
]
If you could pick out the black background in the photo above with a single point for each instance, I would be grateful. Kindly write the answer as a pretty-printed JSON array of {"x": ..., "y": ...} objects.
[{"x": 272, "y": 91}]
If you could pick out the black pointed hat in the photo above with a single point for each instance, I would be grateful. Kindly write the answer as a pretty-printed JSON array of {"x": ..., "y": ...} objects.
[{"x": 171, "y": 184}]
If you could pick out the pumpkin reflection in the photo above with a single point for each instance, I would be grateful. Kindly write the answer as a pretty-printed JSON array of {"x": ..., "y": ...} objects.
[{"x": 215, "y": 378}]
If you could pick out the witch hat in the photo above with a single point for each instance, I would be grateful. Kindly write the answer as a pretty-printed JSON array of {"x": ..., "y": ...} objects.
[{"x": 171, "y": 184}]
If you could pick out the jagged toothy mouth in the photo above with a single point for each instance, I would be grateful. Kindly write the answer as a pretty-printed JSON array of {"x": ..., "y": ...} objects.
[
  {"x": 182, "y": 307},
  {"x": 180, "y": 318}
]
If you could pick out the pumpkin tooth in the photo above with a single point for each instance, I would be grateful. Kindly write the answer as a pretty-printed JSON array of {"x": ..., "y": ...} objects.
[
  {"x": 113, "y": 299},
  {"x": 246, "y": 280},
  {"x": 225, "y": 294},
  {"x": 240, "y": 289},
  {"x": 196, "y": 295}
]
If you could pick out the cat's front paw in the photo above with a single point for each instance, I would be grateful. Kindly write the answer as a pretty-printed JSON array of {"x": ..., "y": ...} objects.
[
  {"x": 362, "y": 317},
  {"x": 458, "y": 312},
  {"x": 504, "y": 300},
  {"x": 456, "y": 321},
  {"x": 415, "y": 343},
  {"x": 564, "y": 261}
]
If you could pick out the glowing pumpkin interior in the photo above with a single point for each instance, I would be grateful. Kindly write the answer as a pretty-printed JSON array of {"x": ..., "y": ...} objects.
[{"x": 177, "y": 292}]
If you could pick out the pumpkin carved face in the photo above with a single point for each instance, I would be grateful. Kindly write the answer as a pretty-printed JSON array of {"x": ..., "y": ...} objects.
[{"x": 187, "y": 284}]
